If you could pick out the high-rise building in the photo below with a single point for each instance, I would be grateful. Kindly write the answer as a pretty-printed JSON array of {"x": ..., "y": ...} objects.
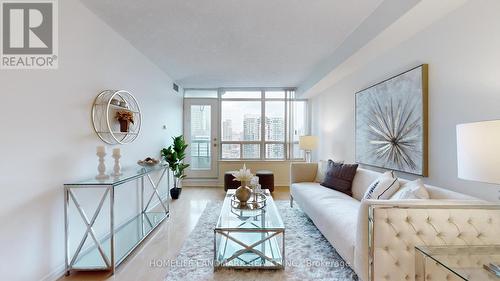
[
  {"x": 275, "y": 131},
  {"x": 251, "y": 132},
  {"x": 200, "y": 137},
  {"x": 227, "y": 129},
  {"x": 200, "y": 121},
  {"x": 251, "y": 127}
]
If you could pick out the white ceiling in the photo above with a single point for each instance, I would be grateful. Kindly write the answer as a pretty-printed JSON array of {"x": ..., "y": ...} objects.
[{"x": 235, "y": 43}]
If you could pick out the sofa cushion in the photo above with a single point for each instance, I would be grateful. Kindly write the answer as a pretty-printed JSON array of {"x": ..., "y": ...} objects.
[
  {"x": 412, "y": 190},
  {"x": 334, "y": 213},
  {"x": 383, "y": 187},
  {"x": 362, "y": 181},
  {"x": 321, "y": 172},
  {"x": 339, "y": 176},
  {"x": 315, "y": 191}
]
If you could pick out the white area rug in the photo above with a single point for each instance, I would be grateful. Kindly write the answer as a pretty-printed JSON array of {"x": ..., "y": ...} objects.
[{"x": 309, "y": 256}]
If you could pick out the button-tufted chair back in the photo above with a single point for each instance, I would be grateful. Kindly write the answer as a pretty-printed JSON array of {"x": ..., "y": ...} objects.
[{"x": 396, "y": 230}]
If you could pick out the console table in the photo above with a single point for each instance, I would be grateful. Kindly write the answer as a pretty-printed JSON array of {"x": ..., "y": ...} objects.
[{"x": 108, "y": 251}]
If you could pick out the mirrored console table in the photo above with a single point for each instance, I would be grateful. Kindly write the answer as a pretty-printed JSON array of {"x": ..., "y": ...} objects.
[{"x": 107, "y": 251}]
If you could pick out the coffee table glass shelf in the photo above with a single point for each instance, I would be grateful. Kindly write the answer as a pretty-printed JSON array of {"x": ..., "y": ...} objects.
[
  {"x": 456, "y": 262},
  {"x": 249, "y": 238},
  {"x": 89, "y": 249}
]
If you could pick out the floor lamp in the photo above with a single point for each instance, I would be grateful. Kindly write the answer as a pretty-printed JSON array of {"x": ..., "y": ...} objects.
[{"x": 308, "y": 144}]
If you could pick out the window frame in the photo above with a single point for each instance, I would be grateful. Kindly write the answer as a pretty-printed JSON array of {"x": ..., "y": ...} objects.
[
  {"x": 307, "y": 128},
  {"x": 287, "y": 143}
]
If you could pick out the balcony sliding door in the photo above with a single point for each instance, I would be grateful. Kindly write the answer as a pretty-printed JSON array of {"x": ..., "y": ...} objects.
[{"x": 200, "y": 130}]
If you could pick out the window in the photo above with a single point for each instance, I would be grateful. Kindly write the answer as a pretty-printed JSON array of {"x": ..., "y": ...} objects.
[
  {"x": 200, "y": 137},
  {"x": 275, "y": 129},
  {"x": 257, "y": 124},
  {"x": 241, "y": 120},
  {"x": 241, "y": 94},
  {"x": 194, "y": 93},
  {"x": 298, "y": 110},
  {"x": 275, "y": 94}
]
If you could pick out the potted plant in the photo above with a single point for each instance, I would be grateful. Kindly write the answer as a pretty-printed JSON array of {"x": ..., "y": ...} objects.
[
  {"x": 174, "y": 155},
  {"x": 124, "y": 117}
]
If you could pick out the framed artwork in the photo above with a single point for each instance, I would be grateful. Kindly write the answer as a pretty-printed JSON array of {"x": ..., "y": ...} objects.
[{"x": 391, "y": 123}]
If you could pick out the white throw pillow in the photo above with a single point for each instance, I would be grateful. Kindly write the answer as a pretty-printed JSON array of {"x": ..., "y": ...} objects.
[
  {"x": 321, "y": 172},
  {"x": 412, "y": 190},
  {"x": 383, "y": 187}
]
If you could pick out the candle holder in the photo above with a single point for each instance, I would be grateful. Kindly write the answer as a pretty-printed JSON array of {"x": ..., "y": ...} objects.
[
  {"x": 117, "y": 168},
  {"x": 102, "y": 166}
]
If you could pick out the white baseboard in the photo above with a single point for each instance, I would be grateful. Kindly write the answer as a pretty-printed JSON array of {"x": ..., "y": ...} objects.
[
  {"x": 55, "y": 274},
  {"x": 201, "y": 182}
]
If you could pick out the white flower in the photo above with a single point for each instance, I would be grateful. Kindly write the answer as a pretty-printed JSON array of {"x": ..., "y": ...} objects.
[
  {"x": 254, "y": 181},
  {"x": 243, "y": 175}
]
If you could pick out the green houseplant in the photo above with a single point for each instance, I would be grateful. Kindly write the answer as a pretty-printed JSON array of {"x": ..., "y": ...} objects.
[{"x": 174, "y": 156}]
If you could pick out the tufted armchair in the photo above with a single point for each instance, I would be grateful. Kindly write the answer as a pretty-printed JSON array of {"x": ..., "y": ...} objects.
[{"x": 396, "y": 227}]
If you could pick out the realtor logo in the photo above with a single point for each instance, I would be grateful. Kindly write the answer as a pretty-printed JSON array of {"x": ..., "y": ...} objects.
[{"x": 29, "y": 35}]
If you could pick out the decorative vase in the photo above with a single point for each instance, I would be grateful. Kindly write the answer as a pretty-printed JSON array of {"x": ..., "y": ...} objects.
[
  {"x": 115, "y": 102},
  {"x": 175, "y": 192},
  {"x": 243, "y": 193},
  {"x": 123, "y": 104},
  {"x": 124, "y": 126}
]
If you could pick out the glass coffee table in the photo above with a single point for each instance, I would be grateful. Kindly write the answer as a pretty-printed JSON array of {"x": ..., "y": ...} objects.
[
  {"x": 249, "y": 238},
  {"x": 456, "y": 262}
]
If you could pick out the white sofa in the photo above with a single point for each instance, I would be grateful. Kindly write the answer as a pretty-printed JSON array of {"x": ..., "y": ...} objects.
[{"x": 383, "y": 249}]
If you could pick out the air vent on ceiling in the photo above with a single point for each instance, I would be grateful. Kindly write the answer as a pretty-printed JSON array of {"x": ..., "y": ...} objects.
[{"x": 175, "y": 87}]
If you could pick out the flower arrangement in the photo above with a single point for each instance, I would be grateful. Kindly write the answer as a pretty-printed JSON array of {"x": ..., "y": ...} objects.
[
  {"x": 243, "y": 175},
  {"x": 124, "y": 115},
  {"x": 254, "y": 181}
]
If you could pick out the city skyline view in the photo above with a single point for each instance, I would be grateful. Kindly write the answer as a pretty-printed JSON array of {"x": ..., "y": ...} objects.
[{"x": 241, "y": 124}]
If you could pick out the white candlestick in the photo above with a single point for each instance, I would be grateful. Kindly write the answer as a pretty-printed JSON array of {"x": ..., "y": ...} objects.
[
  {"x": 101, "y": 152},
  {"x": 101, "y": 149},
  {"x": 117, "y": 168}
]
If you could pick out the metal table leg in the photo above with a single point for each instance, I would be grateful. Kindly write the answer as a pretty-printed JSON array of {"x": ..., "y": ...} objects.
[
  {"x": 66, "y": 230},
  {"x": 143, "y": 213},
  {"x": 112, "y": 226},
  {"x": 90, "y": 230}
]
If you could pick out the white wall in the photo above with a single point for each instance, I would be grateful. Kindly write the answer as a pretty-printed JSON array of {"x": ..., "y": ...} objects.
[
  {"x": 463, "y": 53},
  {"x": 47, "y": 138}
]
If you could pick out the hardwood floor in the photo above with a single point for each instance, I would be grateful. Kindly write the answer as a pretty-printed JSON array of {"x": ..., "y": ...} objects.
[{"x": 166, "y": 242}]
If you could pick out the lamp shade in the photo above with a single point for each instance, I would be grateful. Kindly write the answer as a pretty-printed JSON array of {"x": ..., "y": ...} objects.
[
  {"x": 478, "y": 151},
  {"x": 308, "y": 142}
]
